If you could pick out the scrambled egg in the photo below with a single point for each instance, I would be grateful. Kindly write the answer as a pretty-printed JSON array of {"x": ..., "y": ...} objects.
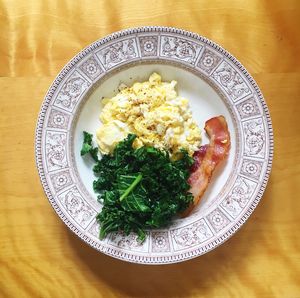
[{"x": 153, "y": 111}]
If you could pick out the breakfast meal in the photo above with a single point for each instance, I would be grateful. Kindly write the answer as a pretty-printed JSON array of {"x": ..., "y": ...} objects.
[{"x": 150, "y": 165}]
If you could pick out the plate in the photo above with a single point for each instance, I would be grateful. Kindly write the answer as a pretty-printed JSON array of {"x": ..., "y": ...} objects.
[{"x": 215, "y": 83}]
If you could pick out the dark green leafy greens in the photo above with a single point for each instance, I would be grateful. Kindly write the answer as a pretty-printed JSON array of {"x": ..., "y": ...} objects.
[
  {"x": 139, "y": 188},
  {"x": 87, "y": 146}
]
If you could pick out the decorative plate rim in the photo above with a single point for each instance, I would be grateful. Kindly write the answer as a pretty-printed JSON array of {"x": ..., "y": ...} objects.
[{"x": 127, "y": 256}]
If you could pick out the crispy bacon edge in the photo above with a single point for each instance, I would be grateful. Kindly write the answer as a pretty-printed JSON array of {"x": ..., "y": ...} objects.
[{"x": 207, "y": 158}]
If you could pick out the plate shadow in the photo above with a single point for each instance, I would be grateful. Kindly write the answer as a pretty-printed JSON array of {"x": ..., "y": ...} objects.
[{"x": 198, "y": 275}]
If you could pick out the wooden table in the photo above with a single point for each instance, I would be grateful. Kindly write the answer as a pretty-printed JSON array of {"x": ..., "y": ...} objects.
[{"x": 39, "y": 257}]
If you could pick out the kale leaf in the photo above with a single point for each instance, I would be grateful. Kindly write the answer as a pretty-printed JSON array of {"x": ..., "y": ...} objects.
[
  {"x": 87, "y": 146},
  {"x": 140, "y": 188}
]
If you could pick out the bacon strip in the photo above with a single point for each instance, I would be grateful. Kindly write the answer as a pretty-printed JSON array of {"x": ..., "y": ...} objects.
[{"x": 208, "y": 157}]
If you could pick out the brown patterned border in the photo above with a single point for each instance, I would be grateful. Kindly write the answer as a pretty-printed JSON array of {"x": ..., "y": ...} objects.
[{"x": 176, "y": 257}]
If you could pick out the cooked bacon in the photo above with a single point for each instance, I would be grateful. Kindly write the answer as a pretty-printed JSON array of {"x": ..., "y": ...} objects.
[{"x": 208, "y": 157}]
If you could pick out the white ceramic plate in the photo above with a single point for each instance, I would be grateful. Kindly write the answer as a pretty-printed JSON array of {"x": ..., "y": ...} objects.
[{"x": 214, "y": 82}]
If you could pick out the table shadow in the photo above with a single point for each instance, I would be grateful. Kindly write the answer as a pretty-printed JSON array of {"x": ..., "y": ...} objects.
[{"x": 188, "y": 278}]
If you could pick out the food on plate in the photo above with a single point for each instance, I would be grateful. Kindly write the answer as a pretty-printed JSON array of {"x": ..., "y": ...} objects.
[
  {"x": 152, "y": 111},
  {"x": 208, "y": 157},
  {"x": 139, "y": 188},
  {"x": 87, "y": 146},
  {"x": 152, "y": 165},
  {"x": 144, "y": 188}
]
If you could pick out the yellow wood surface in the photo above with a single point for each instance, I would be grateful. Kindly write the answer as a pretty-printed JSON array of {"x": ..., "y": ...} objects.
[{"x": 39, "y": 257}]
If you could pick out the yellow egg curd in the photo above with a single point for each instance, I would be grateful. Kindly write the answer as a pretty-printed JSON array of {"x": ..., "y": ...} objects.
[{"x": 152, "y": 111}]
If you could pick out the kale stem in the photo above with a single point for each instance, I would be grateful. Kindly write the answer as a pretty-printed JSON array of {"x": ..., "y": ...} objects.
[{"x": 131, "y": 187}]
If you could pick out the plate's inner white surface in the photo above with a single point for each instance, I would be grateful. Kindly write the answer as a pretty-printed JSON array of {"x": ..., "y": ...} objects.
[{"x": 204, "y": 102}]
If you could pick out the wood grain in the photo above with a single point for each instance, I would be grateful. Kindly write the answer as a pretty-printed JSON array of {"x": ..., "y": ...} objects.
[{"x": 39, "y": 257}]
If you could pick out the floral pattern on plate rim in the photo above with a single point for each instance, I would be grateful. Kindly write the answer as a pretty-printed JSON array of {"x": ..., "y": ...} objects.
[{"x": 120, "y": 48}]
